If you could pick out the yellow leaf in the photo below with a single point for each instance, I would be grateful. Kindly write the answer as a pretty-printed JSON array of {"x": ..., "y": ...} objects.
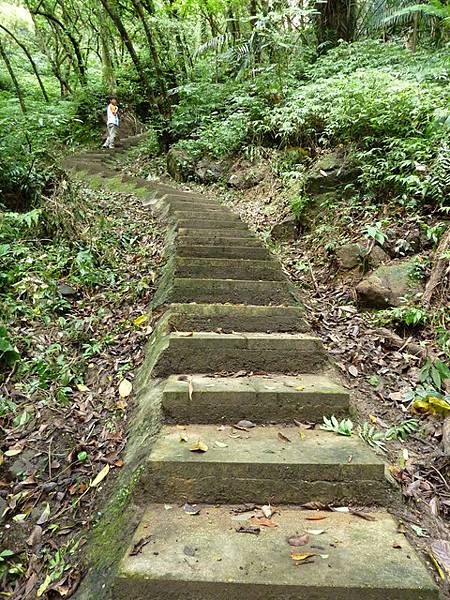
[
  {"x": 82, "y": 388},
  {"x": 125, "y": 388},
  {"x": 44, "y": 586},
  {"x": 121, "y": 404},
  {"x": 431, "y": 405},
  {"x": 300, "y": 388},
  {"x": 373, "y": 419},
  {"x": 296, "y": 556},
  {"x": 198, "y": 446},
  {"x": 101, "y": 476},
  {"x": 139, "y": 320},
  {"x": 183, "y": 437}
]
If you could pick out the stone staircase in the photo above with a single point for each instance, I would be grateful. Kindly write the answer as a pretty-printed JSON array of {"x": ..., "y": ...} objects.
[{"x": 234, "y": 344}]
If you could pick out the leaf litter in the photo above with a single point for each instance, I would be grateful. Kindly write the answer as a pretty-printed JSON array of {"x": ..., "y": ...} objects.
[{"x": 70, "y": 437}]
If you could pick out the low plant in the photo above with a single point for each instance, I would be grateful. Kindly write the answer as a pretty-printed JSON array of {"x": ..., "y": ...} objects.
[{"x": 343, "y": 427}]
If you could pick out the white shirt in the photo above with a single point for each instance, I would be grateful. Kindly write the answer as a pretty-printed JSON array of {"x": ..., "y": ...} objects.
[{"x": 113, "y": 119}]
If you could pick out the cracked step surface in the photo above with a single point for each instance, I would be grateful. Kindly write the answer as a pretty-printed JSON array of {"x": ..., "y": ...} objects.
[
  {"x": 271, "y": 398},
  {"x": 202, "y": 557},
  {"x": 205, "y": 251},
  {"x": 259, "y": 466},
  {"x": 210, "y": 352}
]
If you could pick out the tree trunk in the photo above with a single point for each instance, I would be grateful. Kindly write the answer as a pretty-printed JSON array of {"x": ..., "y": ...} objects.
[
  {"x": 76, "y": 47},
  {"x": 10, "y": 70},
  {"x": 30, "y": 58},
  {"x": 336, "y": 21},
  {"x": 127, "y": 41},
  {"x": 440, "y": 273}
]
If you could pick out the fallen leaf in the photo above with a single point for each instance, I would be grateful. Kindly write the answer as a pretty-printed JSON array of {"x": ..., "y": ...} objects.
[
  {"x": 397, "y": 545},
  {"x": 440, "y": 551},
  {"x": 316, "y": 506},
  {"x": 191, "y": 509},
  {"x": 125, "y": 388},
  {"x": 121, "y": 404},
  {"x": 82, "y": 388},
  {"x": 183, "y": 437},
  {"x": 198, "y": 446},
  {"x": 14, "y": 450},
  {"x": 137, "y": 547},
  {"x": 298, "y": 540},
  {"x": 139, "y": 320},
  {"x": 301, "y": 556},
  {"x": 361, "y": 515},
  {"x": 315, "y": 531},
  {"x": 316, "y": 517},
  {"x": 267, "y": 511},
  {"x": 35, "y": 537},
  {"x": 262, "y": 521},
  {"x": 244, "y": 425},
  {"x": 221, "y": 444},
  {"x": 353, "y": 370},
  {"x": 44, "y": 516},
  {"x": 101, "y": 476},
  {"x": 251, "y": 530},
  {"x": 283, "y": 437},
  {"x": 431, "y": 405},
  {"x": 300, "y": 388},
  {"x": 190, "y": 388}
]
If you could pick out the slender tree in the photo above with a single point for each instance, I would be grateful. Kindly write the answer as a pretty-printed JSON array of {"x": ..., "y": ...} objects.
[{"x": 19, "y": 93}]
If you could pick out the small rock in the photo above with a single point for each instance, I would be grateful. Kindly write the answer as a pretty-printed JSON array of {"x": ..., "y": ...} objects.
[
  {"x": 387, "y": 285},
  {"x": 179, "y": 164},
  {"x": 209, "y": 170},
  {"x": 330, "y": 171},
  {"x": 288, "y": 229},
  {"x": 377, "y": 257},
  {"x": 66, "y": 290},
  {"x": 243, "y": 179},
  {"x": 349, "y": 256}
]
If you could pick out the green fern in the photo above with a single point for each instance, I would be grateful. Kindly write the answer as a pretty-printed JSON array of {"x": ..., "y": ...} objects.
[
  {"x": 401, "y": 432},
  {"x": 344, "y": 427},
  {"x": 374, "y": 438}
]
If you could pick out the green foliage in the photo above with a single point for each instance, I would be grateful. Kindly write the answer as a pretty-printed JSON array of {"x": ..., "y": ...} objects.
[
  {"x": 402, "y": 431},
  {"x": 410, "y": 316},
  {"x": 344, "y": 427},
  {"x": 374, "y": 232},
  {"x": 434, "y": 372},
  {"x": 371, "y": 436}
]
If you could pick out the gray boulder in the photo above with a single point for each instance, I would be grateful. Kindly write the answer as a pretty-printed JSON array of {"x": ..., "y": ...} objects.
[
  {"x": 209, "y": 170},
  {"x": 330, "y": 171},
  {"x": 287, "y": 229},
  {"x": 387, "y": 285},
  {"x": 179, "y": 164}
]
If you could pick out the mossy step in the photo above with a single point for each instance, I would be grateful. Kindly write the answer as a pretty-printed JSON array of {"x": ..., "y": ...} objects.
[
  {"x": 194, "y": 233},
  {"x": 188, "y": 206},
  {"x": 205, "y": 251},
  {"x": 233, "y": 291},
  {"x": 211, "y": 352},
  {"x": 203, "y": 213},
  {"x": 216, "y": 223},
  {"x": 202, "y": 557},
  {"x": 261, "y": 399},
  {"x": 228, "y": 268},
  {"x": 234, "y": 317},
  {"x": 217, "y": 238},
  {"x": 260, "y": 466}
]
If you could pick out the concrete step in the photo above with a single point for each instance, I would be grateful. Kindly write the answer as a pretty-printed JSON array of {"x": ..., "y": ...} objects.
[
  {"x": 229, "y": 318},
  {"x": 204, "y": 251},
  {"x": 222, "y": 291},
  {"x": 217, "y": 238},
  {"x": 185, "y": 206},
  {"x": 228, "y": 268},
  {"x": 220, "y": 224},
  {"x": 210, "y": 352},
  {"x": 202, "y": 557},
  {"x": 260, "y": 399},
  {"x": 200, "y": 212},
  {"x": 258, "y": 466}
]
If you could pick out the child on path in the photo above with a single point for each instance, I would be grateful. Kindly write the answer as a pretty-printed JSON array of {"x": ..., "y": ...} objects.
[{"x": 112, "y": 122}]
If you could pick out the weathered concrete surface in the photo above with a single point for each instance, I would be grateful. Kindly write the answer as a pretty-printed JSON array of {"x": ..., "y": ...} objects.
[
  {"x": 228, "y": 268},
  {"x": 202, "y": 557},
  {"x": 186, "y": 238},
  {"x": 215, "y": 223},
  {"x": 204, "y": 251},
  {"x": 234, "y": 291},
  {"x": 209, "y": 352},
  {"x": 193, "y": 231},
  {"x": 257, "y": 465},
  {"x": 234, "y": 317},
  {"x": 262, "y": 399}
]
